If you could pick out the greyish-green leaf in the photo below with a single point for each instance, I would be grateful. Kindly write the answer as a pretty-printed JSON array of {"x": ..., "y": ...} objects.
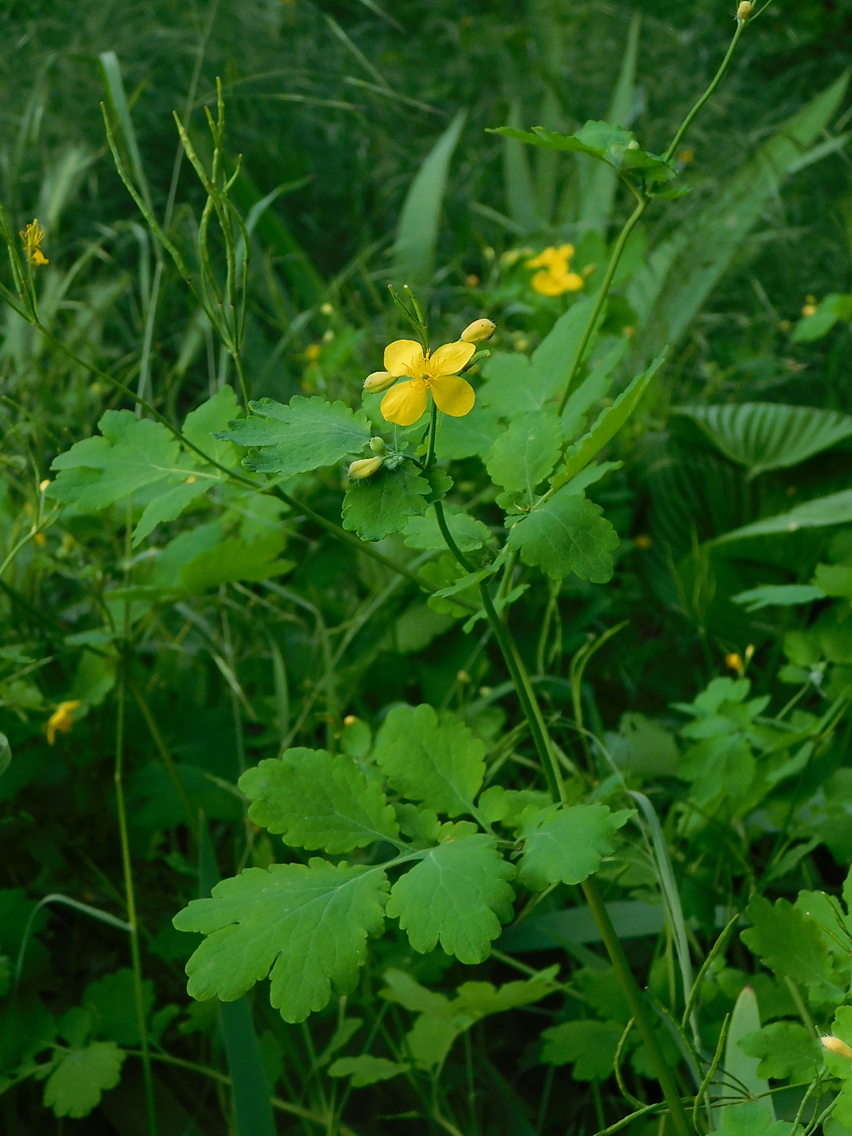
[
  {"x": 436, "y": 760},
  {"x": 316, "y": 800},
  {"x": 306, "y": 926},
  {"x": 566, "y": 533},
  {"x": 457, "y": 894},
  {"x": 383, "y": 504},
  {"x": 304, "y": 435}
]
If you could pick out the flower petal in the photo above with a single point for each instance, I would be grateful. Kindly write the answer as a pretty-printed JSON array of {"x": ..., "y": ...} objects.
[
  {"x": 404, "y": 357},
  {"x": 548, "y": 283},
  {"x": 454, "y": 395},
  {"x": 450, "y": 358},
  {"x": 404, "y": 403}
]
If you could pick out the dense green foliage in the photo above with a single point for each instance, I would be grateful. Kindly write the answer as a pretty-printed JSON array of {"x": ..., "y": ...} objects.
[{"x": 545, "y": 719}]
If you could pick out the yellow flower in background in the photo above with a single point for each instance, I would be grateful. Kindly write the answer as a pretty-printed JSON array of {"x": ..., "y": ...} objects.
[
  {"x": 554, "y": 276},
  {"x": 62, "y": 719},
  {"x": 430, "y": 373},
  {"x": 32, "y": 237}
]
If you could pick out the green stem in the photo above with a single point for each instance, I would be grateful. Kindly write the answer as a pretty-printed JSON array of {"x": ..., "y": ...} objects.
[
  {"x": 629, "y": 226},
  {"x": 550, "y": 767},
  {"x": 687, "y": 122},
  {"x": 433, "y": 429},
  {"x": 130, "y": 897}
]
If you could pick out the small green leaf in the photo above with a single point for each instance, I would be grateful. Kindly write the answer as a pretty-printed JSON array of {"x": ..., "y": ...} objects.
[
  {"x": 609, "y": 421},
  {"x": 792, "y": 947},
  {"x": 611, "y": 144},
  {"x": 831, "y": 308},
  {"x": 306, "y": 926},
  {"x": 235, "y": 559},
  {"x": 202, "y": 425},
  {"x": 436, "y": 760},
  {"x": 566, "y": 845},
  {"x": 566, "y": 533},
  {"x": 590, "y": 1046},
  {"x": 752, "y": 1118},
  {"x": 112, "y": 1001},
  {"x": 525, "y": 454},
  {"x": 785, "y": 1049},
  {"x": 306, "y": 434},
  {"x": 382, "y": 505},
  {"x": 467, "y": 437},
  {"x": 80, "y": 1078},
  {"x": 315, "y": 800},
  {"x": 468, "y": 532},
  {"x": 778, "y": 595},
  {"x": 169, "y": 505},
  {"x": 458, "y": 893},
  {"x": 366, "y": 1069}
]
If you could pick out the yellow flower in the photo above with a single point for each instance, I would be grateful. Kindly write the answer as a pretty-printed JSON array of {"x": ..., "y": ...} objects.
[
  {"x": 62, "y": 719},
  {"x": 430, "y": 373},
  {"x": 554, "y": 277},
  {"x": 32, "y": 237},
  {"x": 735, "y": 663},
  {"x": 312, "y": 352}
]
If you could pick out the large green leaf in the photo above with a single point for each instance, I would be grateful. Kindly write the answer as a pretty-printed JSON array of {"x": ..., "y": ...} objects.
[
  {"x": 306, "y": 926},
  {"x": 419, "y": 222},
  {"x": 590, "y": 1046},
  {"x": 316, "y": 800},
  {"x": 457, "y": 894},
  {"x": 566, "y": 533},
  {"x": 436, "y": 760},
  {"x": 304, "y": 435},
  {"x": 677, "y": 279},
  {"x": 769, "y": 435}
]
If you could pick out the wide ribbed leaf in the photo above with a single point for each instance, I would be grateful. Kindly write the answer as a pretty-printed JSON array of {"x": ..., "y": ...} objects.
[{"x": 769, "y": 435}]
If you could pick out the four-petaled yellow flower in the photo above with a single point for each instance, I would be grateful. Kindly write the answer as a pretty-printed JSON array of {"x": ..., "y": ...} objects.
[
  {"x": 32, "y": 237},
  {"x": 62, "y": 719},
  {"x": 434, "y": 373},
  {"x": 554, "y": 276}
]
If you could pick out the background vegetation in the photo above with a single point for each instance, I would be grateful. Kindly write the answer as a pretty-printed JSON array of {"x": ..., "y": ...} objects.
[{"x": 253, "y": 629}]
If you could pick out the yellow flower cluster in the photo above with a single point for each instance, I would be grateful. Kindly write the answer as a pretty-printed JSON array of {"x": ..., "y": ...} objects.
[{"x": 554, "y": 276}]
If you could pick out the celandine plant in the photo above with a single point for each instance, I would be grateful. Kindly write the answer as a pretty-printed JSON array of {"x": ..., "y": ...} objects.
[{"x": 412, "y": 825}]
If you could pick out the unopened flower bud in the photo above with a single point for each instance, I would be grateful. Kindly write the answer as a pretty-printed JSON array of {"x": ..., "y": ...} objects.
[
  {"x": 377, "y": 445},
  {"x": 744, "y": 10},
  {"x": 836, "y": 1046},
  {"x": 479, "y": 331},
  {"x": 364, "y": 467},
  {"x": 379, "y": 381}
]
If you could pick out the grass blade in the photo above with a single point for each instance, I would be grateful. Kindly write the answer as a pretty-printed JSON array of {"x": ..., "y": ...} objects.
[
  {"x": 117, "y": 101},
  {"x": 417, "y": 235}
]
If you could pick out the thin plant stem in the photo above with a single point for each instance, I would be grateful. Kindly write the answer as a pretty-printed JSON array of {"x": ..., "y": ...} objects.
[
  {"x": 130, "y": 898},
  {"x": 717, "y": 78},
  {"x": 603, "y": 292}
]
